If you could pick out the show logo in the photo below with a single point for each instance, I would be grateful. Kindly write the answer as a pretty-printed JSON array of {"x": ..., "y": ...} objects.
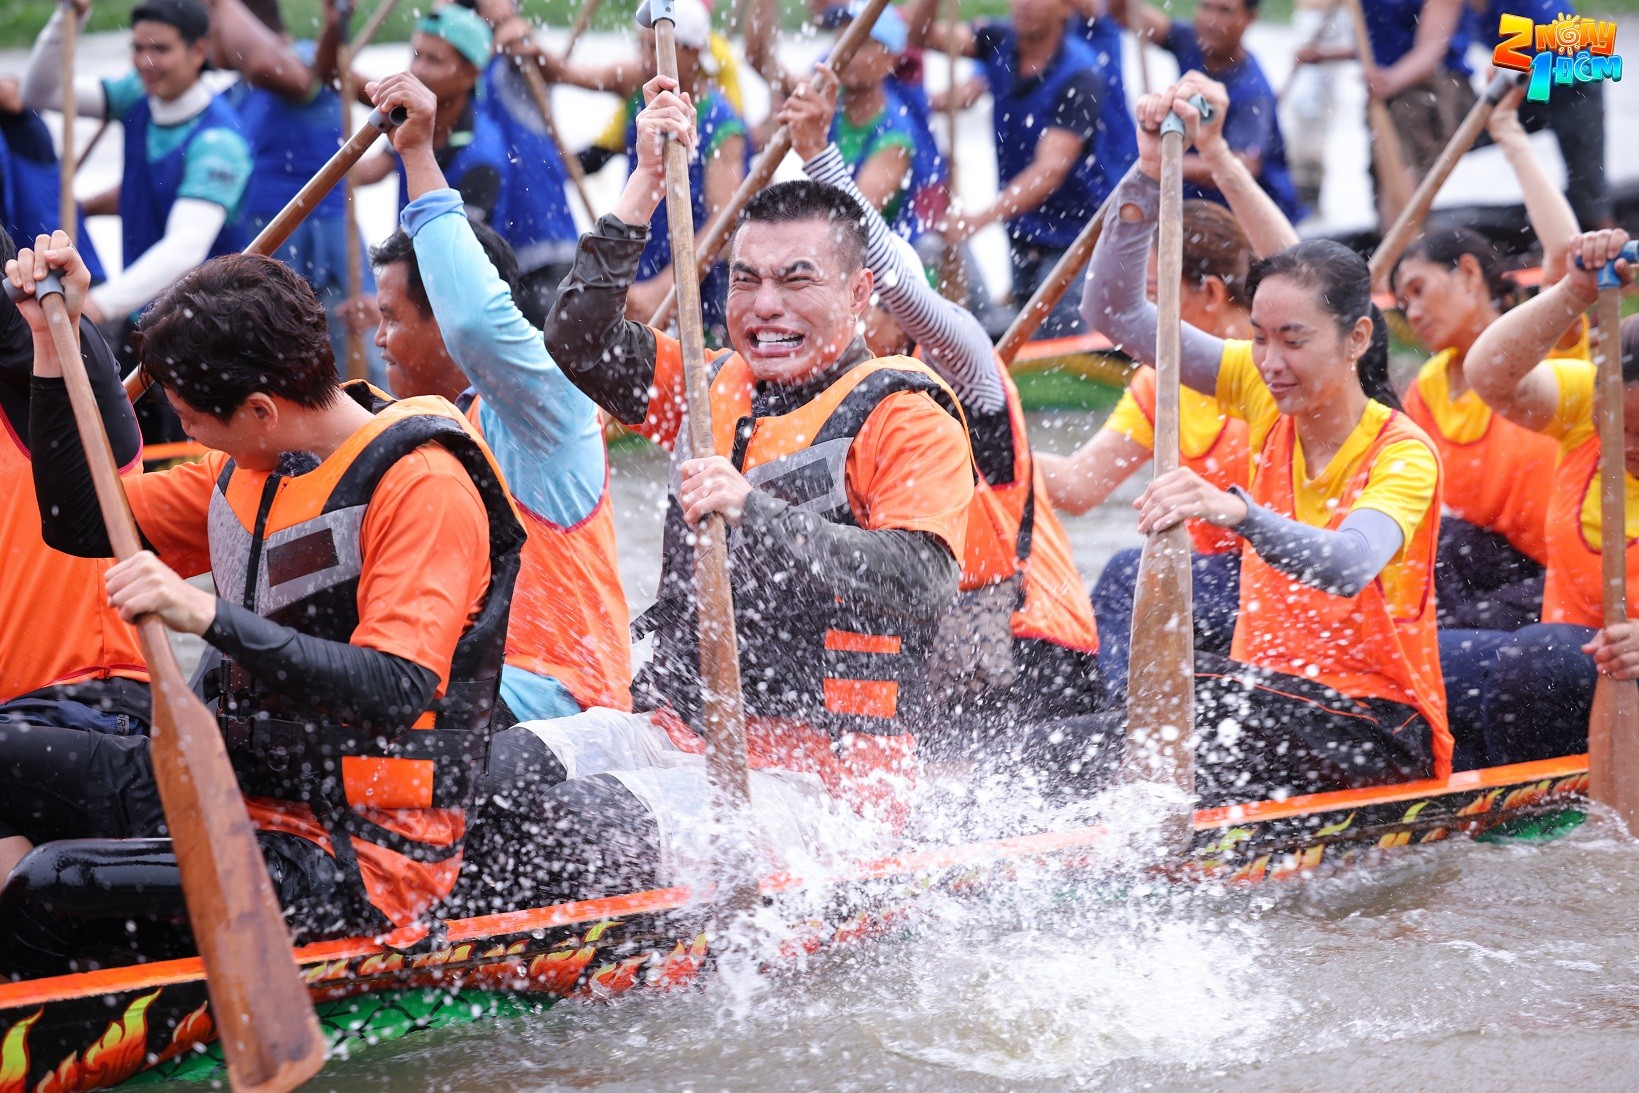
[{"x": 1568, "y": 51}]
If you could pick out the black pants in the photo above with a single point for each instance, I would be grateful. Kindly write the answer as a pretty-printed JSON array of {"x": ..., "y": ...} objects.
[
  {"x": 1258, "y": 734},
  {"x": 102, "y": 886},
  {"x": 537, "y": 838},
  {"x": 1576, "y": 116},
  {"x": 1481, "y": 582},
  {"x": 1054, "y": 682},
  {"x": 1032, "y": 264}
]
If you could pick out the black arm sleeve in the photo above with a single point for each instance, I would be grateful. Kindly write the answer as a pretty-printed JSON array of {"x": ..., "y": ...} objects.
[
  {"x": 361, "y": 685},
  {"x": 906, "y": 573},
  {"x": 610, "y": 358},
  {"x": 70, "y": 520}
]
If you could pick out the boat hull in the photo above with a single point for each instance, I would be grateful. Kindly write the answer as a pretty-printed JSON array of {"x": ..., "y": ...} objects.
[{"x": 97, "y": 1029}]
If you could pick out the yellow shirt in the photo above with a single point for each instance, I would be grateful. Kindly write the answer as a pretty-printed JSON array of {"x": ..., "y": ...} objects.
[
  {"x": 1200, "y": 422},
  {"x": 1403, "y": 476},
  {"x": 1573, "y": 425}
]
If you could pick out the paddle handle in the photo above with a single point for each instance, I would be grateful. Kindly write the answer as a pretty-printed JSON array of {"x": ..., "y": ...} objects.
[
  {"x": 1052, "y": 290},
  {"x": 723, "y": 709},
  {"x": 1387, "y": 155},
  {"x": 543, "y": 105},
  {"x": 67, "y": 211},
  {"x": 263, "y": 1013},
  {"x": 1613, "y": 538},
  {"x": 710, "y": 242},
  {"x": 1410, "y": 221},
  {"x": 306, "y": 200},
  {"x": 582, "y": 21}
]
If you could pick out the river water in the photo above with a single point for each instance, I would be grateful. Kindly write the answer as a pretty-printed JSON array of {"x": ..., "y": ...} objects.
[{"x": 1495, "y": 967}]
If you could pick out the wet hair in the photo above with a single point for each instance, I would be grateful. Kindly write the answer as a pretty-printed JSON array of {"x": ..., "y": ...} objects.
[
  {"x": 237, "y": 325},
  {"x": 1215, "y": 246},
  {"x": 398, "y": 248},
  {"x": 1445, "y": 247},
  {"x": 1343, "y": 285},
  {"x": 805, "y": 199}
]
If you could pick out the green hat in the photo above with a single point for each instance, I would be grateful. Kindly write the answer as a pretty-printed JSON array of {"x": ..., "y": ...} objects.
[{"x": 463, "y": 29}]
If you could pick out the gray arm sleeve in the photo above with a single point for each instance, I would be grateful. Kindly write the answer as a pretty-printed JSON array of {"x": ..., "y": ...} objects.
[
  {"x": 906, "y": 573},
  {"x": 956, "y": 345},
  {"x": 1113, "y": 301},
  {"x": 1341, "y": 562}
]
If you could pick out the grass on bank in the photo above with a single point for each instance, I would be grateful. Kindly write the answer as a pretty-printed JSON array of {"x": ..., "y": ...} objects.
[{"x": 21, "y": 20}]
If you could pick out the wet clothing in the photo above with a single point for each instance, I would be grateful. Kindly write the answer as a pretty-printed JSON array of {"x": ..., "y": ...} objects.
[
  {"x": 1539, "y": 693},
  {"x": 1259, "y": 734},
  {"x": 474, "y": 161},
  {"x": 1215, "y": 593},
  {"x": 917, "y": 207},
  {"x": 533, "y": 213},
  {"x": 355, "y": 696},
  {"x": 1250, "y": 125},
  {"x": 43, "y": 587},
  {"x": 567, "y": 644},
  {"x": 1392, "y": 27},
  {"x": 1321, "y": 598},
  {"x": 1068, "y": 94},
  {"x": 30, "y": 186},
  {"x": 1482, "y": 582}
]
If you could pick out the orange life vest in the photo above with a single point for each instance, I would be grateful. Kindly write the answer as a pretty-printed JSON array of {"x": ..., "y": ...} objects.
[
  {"x": 1574, "y": 590},
  {"x": 838, "y": 667},
  {"x": 1363, "y": 646},
  {"x": 1011, "y": 526},
  {"x": 391, "y": 810},
  {"x": 48, "y": 590},
  {"x": 1498, "y": 476},
  {"x": 1224, "y": 460},
  {"x": 569, "y": 617}
]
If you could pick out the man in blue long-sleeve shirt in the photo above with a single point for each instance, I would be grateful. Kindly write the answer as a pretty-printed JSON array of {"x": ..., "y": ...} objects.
[{"x": 450, "y": 326}]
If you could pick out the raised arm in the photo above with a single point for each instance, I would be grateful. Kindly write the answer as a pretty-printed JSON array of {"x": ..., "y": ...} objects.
[
  {"x": 1437, "y": 22},
  {"x": 1550, "y": 213},
  {"x": 1145, "y": 20},
  {"x": 1502, "y": 366},
  {"x": 243, "y": 42},
  {"x": 954, "y": 343},
  {"x": 1266, "y": 227},
  {"x": 42, "y": 79},
  {"x": 924, "y": 32}
]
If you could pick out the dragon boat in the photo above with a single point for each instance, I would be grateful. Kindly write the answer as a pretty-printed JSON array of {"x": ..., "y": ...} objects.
[{"x": 152, "y": 1022}]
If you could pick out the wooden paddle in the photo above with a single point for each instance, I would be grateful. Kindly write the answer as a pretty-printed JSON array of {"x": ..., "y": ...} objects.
[
  {"x": 262, "y": 1011},
  {"x": 67, "y": 211},
  {"x": 723, "y": 710},
  {"x": 571, "y": 164},
  {"x": 1410, "y": 221},
  {"x": 1047, "y": 295},
  {"x": 1161, "y": 680},
  {"x": 953, "y": 280},
  {"x": 306, "y": 200},
  {"x": 1387, "y": 155},
  {"x": 358, "y": 365},
  {"x": 1613, "y": 727},
  {"x": 710, "y": 242}
]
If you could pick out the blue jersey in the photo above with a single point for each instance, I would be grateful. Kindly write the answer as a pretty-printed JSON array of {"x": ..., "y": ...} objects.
[
  {"x": 1250, "y": 125},
  {"x": 910, "y": 213},
  {"x": 1392, "y": 27},
  {"x": 30, "y": 184},
  {"x": 474, "y": 162},
  {"x": 533, "y": 211},
  {"x": 1067, "y": 94},
  {"x": 1103, "y": 35},
  {"x": 716, "y": 122},
  {"x": 152, "y": 184},
  {"x": 289, "y": 142}
]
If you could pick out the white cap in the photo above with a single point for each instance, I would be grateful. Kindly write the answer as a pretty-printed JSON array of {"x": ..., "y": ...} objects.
[{"x": 692, "y": 29}]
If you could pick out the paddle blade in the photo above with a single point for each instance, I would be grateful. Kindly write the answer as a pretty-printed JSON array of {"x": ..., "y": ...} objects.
[
  {"x": 264, "y": 1016},
  {"x": 1161, "y": 681},
  {"x": 1613, "y": 749}
]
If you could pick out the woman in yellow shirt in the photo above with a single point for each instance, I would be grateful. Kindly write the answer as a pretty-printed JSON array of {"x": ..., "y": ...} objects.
[
  {"x": 1538, "y": 690},
  {"x": 1333, "y": 677}
]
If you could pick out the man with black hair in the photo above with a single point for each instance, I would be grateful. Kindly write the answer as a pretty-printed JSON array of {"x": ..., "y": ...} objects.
[
  {"x": 187, "y": 164},
  {"x": 90, "y": 675},
  {"x": 1214, "y": 44},
  {"x": 451, "y": 325},
  {"x": 354, "y": 689},
  {"x": 846, "y": 479}
]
